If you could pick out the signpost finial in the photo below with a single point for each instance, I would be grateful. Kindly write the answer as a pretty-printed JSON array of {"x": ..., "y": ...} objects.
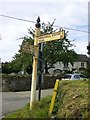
[{"x": 38, "y": 23}]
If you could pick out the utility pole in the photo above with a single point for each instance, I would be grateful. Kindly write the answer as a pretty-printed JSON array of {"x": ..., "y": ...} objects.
[{"x": 35, "y": 61}]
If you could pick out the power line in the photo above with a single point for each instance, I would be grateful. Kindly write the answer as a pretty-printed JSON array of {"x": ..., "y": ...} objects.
[
  {"x": 70, "y": 28},
  {"x": 42, "y": 23},
  {"x": 73, "y": 29},
  {"x": 17, "y": 18}
]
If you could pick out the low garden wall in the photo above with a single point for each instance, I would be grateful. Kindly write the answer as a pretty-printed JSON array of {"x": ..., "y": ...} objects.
[{"x": 23, "y": 82}]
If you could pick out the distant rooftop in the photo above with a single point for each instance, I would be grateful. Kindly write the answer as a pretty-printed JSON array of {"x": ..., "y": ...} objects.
[{"x": 82, "y": 58}]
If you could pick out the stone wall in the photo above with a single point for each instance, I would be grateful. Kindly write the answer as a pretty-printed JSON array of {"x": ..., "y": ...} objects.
[{"x": 23, "y": 83}]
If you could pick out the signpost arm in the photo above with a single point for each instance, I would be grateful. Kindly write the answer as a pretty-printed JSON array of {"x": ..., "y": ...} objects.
[{"x": 35, "y": 60}]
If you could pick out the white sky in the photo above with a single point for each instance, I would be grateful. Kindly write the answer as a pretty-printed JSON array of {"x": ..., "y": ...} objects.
[{"x": 68, "y": 14}]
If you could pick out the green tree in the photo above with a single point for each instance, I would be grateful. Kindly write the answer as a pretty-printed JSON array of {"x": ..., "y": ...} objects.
[
  {"x": 54, "y": 51},
  {"x": 58, "y": 51},
  {"x": 6, "y": 68},
  {"x": 22, "y": 60}
]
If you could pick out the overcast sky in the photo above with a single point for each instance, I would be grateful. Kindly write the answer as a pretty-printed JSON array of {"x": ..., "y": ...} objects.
[{"x": 67, "y": 14}]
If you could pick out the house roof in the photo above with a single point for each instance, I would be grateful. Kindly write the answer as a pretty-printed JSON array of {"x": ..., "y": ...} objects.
[{"x": 82, "y": 58}]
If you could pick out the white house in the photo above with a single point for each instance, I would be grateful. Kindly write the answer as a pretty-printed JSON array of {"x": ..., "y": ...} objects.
[{"x": 81, "y": 63}]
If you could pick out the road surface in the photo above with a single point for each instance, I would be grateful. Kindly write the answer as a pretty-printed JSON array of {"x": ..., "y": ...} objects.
[{"x": 12, "y": 101}]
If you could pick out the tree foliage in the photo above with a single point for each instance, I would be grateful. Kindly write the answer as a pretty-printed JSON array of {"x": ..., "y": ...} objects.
[
  {"x": 6, "y": 68},
  {"x": 54, "y": 51},
  {"x": 60, "y": 50}
]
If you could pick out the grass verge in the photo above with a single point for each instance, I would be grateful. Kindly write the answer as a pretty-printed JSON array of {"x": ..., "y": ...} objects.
[{"x": 39, "y": 111}]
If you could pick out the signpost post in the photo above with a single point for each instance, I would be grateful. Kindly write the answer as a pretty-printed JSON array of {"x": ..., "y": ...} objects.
[
  {"x": 35, "y": 61},
  {"x": 38, "y": 40}
]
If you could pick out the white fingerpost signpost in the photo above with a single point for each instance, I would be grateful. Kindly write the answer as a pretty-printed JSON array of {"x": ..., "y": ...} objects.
[{"x": 40, "y": 39}]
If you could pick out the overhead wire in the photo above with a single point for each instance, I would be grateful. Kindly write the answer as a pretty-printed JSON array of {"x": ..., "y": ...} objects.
[
  {"x": 73, "y": 29},
  {"x": 17, "y": 18},
  {"x": 42, "y": 23}
]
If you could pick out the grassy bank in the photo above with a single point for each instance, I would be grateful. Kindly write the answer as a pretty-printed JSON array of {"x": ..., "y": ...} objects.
[
  {"x": 71, "y": 102},
  {"x": 73, "y": 99}
]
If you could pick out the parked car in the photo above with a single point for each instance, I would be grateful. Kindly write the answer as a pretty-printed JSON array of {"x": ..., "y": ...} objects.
[{"x": 74, "y": 77}]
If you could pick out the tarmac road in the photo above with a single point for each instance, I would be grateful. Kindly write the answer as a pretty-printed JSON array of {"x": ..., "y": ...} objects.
[{"x": 12, "y": 101}]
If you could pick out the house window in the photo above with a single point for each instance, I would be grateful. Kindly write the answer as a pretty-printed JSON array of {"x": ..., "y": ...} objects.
[{"x": 82, "y": 64}]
